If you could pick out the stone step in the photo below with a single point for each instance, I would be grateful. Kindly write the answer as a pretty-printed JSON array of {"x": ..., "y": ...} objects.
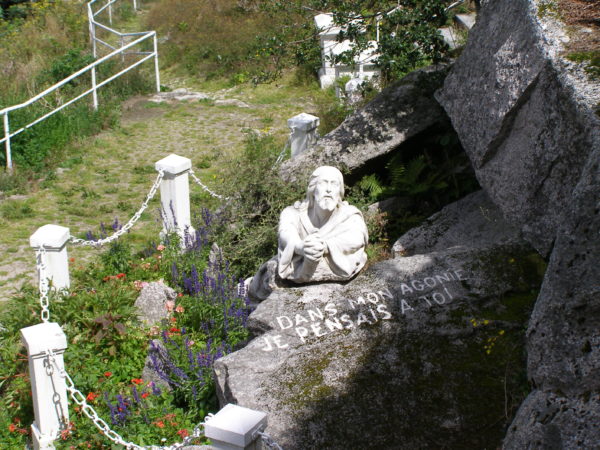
[{"x": 465, "y": 21}]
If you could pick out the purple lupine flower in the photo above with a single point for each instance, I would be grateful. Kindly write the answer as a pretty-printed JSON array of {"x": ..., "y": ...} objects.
[{"x": 135, "y": 394}]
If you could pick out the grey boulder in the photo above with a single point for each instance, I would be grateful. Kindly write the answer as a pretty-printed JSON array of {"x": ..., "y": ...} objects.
[{"x": 418, "y": 352}]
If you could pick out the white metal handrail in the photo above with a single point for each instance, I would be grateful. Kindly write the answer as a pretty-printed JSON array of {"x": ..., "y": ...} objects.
[{"x": 122, "y": 50}]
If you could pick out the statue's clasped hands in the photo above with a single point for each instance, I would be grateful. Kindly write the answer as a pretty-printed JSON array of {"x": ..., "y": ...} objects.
[{"x": 312, "y": 247}]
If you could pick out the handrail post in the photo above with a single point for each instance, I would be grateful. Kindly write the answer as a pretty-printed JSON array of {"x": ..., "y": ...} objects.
[
  {"x": 157, "y": 73},
  {"x": 109, "y": 11},
  {"x": 53, "y": 238},
  {"x": 94, "y": 92},
  {"x": 92, "y": 30},
  {"x": 7, "y": 143},
  {"x": 48, "y": 387},
  {"x": 134, "y": 5},
  {"x": 123, "y": 52}
]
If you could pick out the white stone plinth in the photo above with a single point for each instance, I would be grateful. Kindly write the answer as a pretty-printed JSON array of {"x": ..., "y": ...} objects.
[
  {"x": 235, "y": 427},
  {"x": 48, "y": 388},
  {"x": 304, "y": 132},
  {"x": 54, "y": 239},
  {"x": 175, "y": 196}
]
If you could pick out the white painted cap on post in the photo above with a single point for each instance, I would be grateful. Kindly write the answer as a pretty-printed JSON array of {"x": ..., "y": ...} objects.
[
  {"x": 174, "y": 164},
  {"x": 43, "y": 336},
  {"x": 50, "y": 236},
  {"x": 235, "y": 425},
  {"x": 303, "y": 122}
]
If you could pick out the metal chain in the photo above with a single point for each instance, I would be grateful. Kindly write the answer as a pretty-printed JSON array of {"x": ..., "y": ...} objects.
[
  {"x": 129, "y": 224},
  {"x": 40, "y": 256},
  {"x": 203, "y": 186},
  {"x": 91, "y": 413},
  {"x": 268, "y": 440}
]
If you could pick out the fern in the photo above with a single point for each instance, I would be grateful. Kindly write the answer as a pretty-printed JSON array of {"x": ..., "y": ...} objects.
[{"x": 371, "y": 186}]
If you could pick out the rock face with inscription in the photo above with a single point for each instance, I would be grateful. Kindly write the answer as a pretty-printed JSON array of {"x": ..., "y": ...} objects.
[
  {"x": 416, "y": 352},
  {"x": 527, "y": 118}
]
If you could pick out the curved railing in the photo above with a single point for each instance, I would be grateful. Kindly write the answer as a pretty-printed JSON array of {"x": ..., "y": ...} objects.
[{"x": 121, "y": 50}]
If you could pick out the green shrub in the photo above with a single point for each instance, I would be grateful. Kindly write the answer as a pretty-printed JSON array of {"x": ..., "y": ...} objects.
[{"x": 257, "y": 195}]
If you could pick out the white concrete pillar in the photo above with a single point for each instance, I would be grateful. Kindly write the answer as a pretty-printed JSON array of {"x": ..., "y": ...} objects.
[
  {"x": 48, "y": 388},
  {"x": 175, "y": 195},
  {"x": 304, "y": 132},
  {"x": 235, "y": 427},
  {"x": 54, "y": 239}
]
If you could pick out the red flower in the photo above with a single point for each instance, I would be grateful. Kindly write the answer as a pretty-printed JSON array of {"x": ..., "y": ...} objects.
[
  {"x": 91, "y": 396},
  {"x": 120, "y": 275},
  {"x": 174, "y": 330},
  {"x": 183, "y": 433},
  {"x": 159, "y": 424},
  {"x": 107, "y": 374},
  {"x": 12, "y": 428},
  {"x": 137, "y": 380},
  {"x": 145, "y": 394}
]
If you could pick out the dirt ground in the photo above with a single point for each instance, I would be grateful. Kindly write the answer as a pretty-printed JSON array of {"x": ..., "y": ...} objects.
[{"x": 583, "y": 19}]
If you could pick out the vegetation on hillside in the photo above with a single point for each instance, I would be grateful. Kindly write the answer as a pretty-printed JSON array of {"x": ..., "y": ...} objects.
[{"x": 41, "y": 48}]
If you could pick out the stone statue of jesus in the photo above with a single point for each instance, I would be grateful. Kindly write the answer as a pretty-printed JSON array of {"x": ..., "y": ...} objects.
[{"x": 322, "y": 238}]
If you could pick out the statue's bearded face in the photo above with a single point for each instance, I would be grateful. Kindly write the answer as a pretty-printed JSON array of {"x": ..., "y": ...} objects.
[{"x": 327, "y": 191}]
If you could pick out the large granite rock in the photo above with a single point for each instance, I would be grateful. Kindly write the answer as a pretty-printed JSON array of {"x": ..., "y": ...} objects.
[
  {"x": 418, "y": 352},
  {"x": 522, "y": 115},
  {"x": 400, "y": 112},
  {"x": 525, "y": 116},
  {"x": 472, "y": 222},
  {"x": 152, "y": 303}
]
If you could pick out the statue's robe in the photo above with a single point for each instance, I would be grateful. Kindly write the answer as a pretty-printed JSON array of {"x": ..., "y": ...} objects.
[{"x": 345, "y": 236}]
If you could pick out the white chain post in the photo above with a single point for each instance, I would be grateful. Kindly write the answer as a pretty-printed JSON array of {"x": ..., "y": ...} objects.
[
  {"x": 235, "y": 427},
  {"x": 48, "y": 388},
  {"x": 304, "y": 132},
  {"x": 175, "y": 196},
  {"x": 53, "y": 240}
]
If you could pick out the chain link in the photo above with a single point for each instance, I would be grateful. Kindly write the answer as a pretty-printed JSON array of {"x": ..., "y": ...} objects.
[
  {"x": 203, "y": 186},
  {"x": 268, "y": 440},
  {"x": 40, "y": 256},
  {"x": 91, "y": 414},
  {"x": 129, "y": 224}
]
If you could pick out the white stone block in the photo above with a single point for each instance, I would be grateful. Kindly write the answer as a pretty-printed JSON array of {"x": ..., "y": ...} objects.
[
  {"x": 48, "y": 387},
  {"x": 54, "y": 239},
  {"x": 304, "y": 122},
  {"x": 173, "y": 164},
  {"x": 50, "y": 236},
  {"x": 304, "y": 132},
  {"x": 235, "y": 427}
]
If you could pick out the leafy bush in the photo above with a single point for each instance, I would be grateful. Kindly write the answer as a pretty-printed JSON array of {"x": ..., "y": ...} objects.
[{"x": 257, "y": 195}]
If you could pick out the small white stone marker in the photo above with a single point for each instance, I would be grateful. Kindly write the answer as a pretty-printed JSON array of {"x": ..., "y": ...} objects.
[
  {"x": 175, "y": 195},
  {"x": 54, "y": 239},
  {"x": 235, "y": 427},
  {"x": 304, "y": 132},
  {"x": 48, "y": 388}
]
